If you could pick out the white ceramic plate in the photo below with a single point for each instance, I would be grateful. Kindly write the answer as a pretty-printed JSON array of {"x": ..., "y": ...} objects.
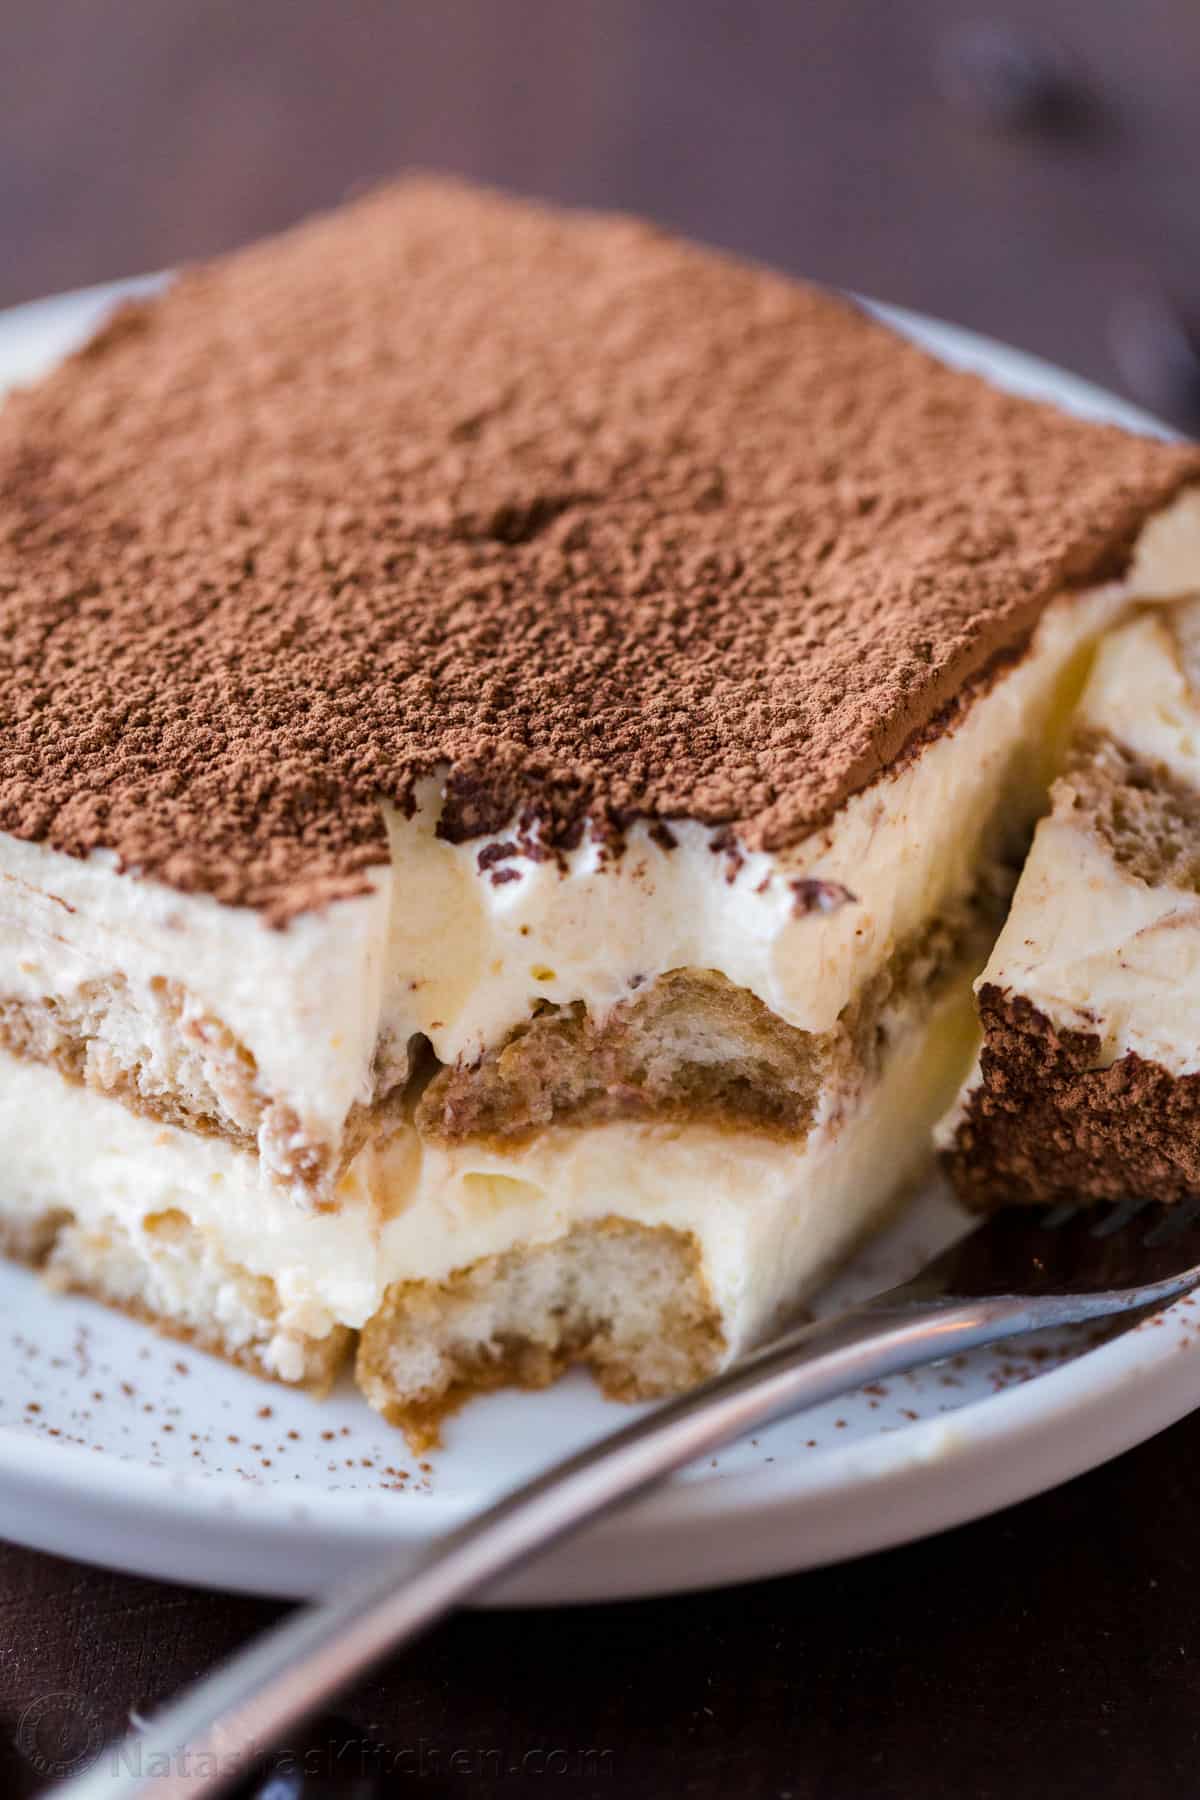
[{"x": 122, "y": 1448}]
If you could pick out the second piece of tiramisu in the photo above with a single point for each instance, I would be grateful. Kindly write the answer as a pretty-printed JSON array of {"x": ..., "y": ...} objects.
[{"x": 1088, "y": 1084}]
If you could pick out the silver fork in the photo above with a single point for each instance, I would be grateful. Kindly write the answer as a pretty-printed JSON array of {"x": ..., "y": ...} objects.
[{"x": 1020, "y": 1272}]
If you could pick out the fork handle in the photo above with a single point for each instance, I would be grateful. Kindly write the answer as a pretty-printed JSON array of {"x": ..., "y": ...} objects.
[{"x": 210, "y": 1736}]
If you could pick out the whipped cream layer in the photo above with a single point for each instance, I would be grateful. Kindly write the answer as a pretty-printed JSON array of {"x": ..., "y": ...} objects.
[
  {"x": 457, "y": 942},
  {"x": 767, "y": 1219},
  {"x": 1091, "y": 944}
]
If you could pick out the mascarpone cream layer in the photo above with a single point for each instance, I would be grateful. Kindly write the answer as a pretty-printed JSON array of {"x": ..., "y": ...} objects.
[
  {"x": 442, "y": 947},
  {"x": 1090, "y": 944},
  {"x": 767, "y": 1219}
]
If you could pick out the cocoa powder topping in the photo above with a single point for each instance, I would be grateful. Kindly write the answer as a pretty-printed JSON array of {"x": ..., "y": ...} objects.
[{"x": 604, "y": 525}]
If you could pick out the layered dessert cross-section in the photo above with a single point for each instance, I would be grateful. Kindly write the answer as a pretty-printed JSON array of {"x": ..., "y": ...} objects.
[
  {"x": 519, "y": 734},
  {"x": 1088, "y": 1084}
]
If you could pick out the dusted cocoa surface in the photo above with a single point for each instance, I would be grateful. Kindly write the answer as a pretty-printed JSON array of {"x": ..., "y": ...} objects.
[
  {"x": 1047, "y": 1124},
  {"x": 606, "y": 524}
]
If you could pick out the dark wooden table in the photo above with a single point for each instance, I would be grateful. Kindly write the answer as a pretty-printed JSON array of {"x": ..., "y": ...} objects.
[
  {"x": 1038, "y": 179},
  {"x": 1051, "y": 1651},
  {"x": 1028, "y": 167}
]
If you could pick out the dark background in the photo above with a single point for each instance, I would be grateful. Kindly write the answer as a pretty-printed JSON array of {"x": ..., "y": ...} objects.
[{"x": 1032, "y": 170}]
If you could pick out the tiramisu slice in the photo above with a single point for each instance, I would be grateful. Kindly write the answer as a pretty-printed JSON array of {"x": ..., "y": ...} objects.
[
  {"x": 517, "y": 733},
  {"x": 1089, "y": 1080}
]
